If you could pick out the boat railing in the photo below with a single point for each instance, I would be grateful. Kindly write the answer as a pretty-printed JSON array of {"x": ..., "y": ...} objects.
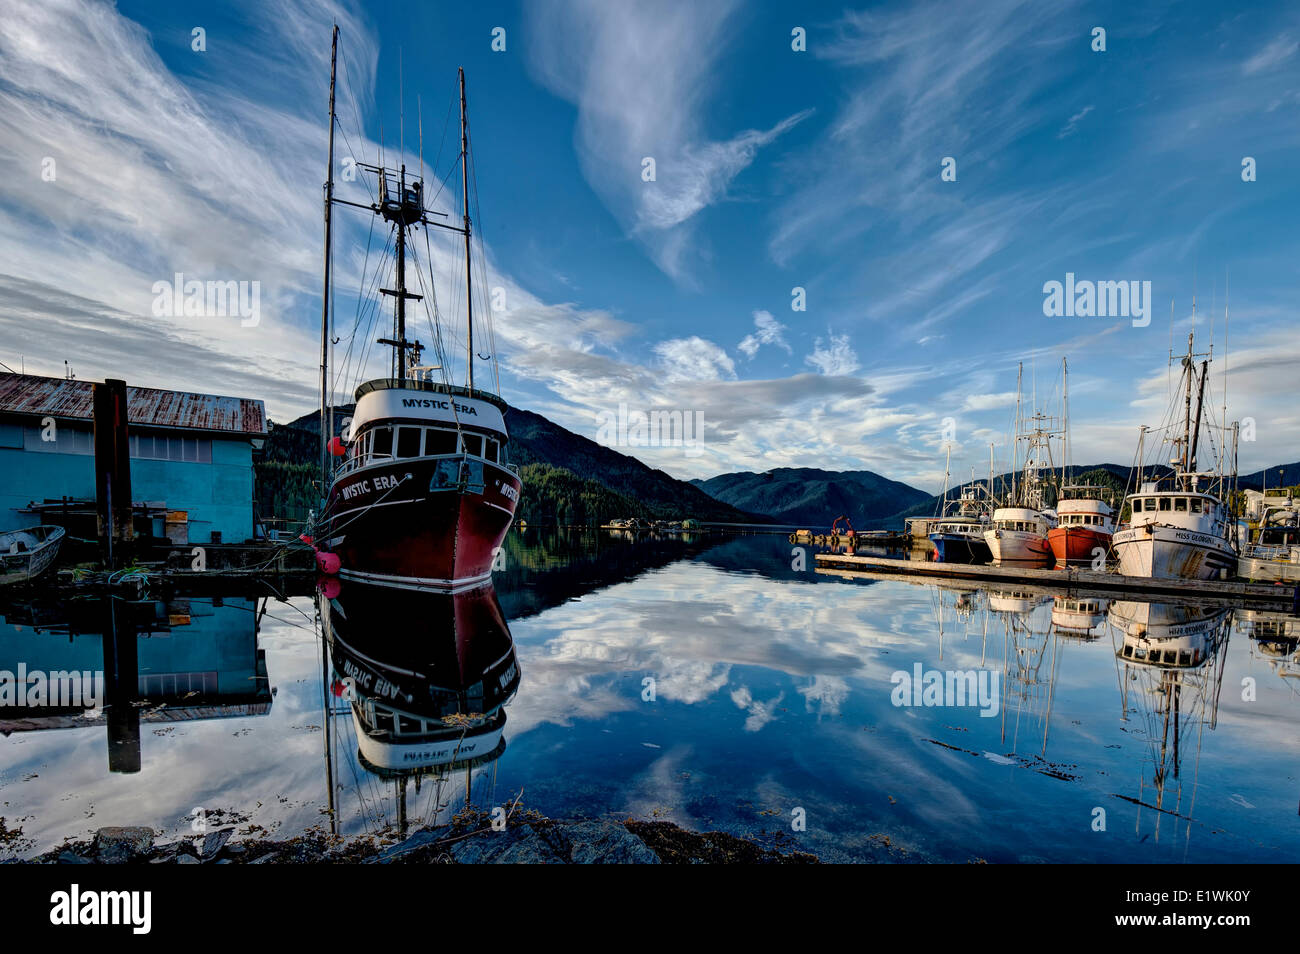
[{"x": 1263, "y": 551}]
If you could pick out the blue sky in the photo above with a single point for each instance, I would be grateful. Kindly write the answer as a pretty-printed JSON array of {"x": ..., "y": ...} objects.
[{"x": 775, "y": 169}]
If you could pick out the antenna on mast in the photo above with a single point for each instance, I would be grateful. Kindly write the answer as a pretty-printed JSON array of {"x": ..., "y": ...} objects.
[{"x": 326, "y": 416}]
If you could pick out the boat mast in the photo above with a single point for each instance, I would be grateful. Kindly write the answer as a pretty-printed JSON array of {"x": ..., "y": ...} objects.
[
  {"x": 325, "y": 416},
  {"x": 464, "y": 186}
]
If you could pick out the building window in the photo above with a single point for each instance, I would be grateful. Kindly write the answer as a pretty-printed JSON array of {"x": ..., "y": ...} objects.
[
  {"x": 68, "y": 439},
  {"x": 194, "y": 450}
]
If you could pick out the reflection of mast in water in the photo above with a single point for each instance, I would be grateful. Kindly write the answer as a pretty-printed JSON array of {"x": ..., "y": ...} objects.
[
  {"x": 963, "y": 606},
  {"x": 1172, "y": 656},
  {"x": 427, "y": 677},
  {"x": 1024, "y": 651}
]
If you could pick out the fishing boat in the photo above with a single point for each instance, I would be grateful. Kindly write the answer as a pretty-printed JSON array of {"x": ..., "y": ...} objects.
[
  {"x": 1018, "y": 532},
  {"x": 1078, "y": 616},
  {"x": 1180, "y": 527},
  {"x": 26, "y": 554},
  {"x": 1085, "y": 525},
  {"x": 1085, "y": 522},
  {"x": 958, "y": 534},
  {"x": 423, "y": 492}
]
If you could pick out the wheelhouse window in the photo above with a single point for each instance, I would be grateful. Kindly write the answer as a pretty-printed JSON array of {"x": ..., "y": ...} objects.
[
  {"x": 381, "y": 441},
  {"x": 1196, "y": 505},
  {"x": 1164, "y": 503},
  {"x": 438, "y": 442},
  {"x": 408, "y": 441},
  {"x": 491, "y": 450},
  {"x": 472, "y": 444},
  {"x": 1180, "y": 504}
]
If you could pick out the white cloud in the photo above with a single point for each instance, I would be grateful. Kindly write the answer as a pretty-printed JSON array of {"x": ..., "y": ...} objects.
[
  {"x": 1069, "y": 128},
  {"x": 640, "y": 75},
  {"x": 988, "y": 402},
  {"x": 1277, "y": 51},
  {"x": 767, "y": 331},
  {"x": 694, "y": 359},
  {"x": 834, "y": 356}
]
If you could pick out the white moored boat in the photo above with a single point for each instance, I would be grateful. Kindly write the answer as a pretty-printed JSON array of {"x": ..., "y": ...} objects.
[
  {"x": 1019, "y": 535},
  {"x": 1179, "y": 527}
]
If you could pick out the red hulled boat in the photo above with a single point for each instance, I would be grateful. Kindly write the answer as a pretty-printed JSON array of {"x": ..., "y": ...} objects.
[{"x": 424, "y": 493}]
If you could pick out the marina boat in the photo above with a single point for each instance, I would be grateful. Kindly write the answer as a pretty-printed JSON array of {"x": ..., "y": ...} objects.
[
  {"x": 958, "y": 534},
  {"x": 1085, "y": 522},
  {"x": 424, "y": 493},
  {"x": 1180, "y": 527},
  {"x": 1017, "y": 535},
  {"x": 1273, "y": 550},
  {"x": 26, "y": 554},
  {"x": 1084, "y": 527},
  {"x": 960, "y": 539}
]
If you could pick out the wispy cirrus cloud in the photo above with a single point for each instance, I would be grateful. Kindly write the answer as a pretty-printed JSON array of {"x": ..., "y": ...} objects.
[{"x": 640, "y": 76}]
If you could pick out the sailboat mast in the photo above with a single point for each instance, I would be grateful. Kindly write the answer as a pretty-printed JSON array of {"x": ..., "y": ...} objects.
[
  {"x": 1189, "y": 370},
  {"x": 399, "y": 353},
  {"x": 464, "y": 186},
  {"x": 325, "y": 427}
]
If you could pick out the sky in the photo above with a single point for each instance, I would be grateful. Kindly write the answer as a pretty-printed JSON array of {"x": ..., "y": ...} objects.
[{"x": 840, "y": 261}]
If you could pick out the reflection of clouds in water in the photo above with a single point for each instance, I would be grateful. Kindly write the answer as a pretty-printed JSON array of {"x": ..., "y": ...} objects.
[
  {"x": 759, "y": 713},
  {"x": 689, "y": 625},
  {"x": 222, "y": 764},
  {"x": 829, "y": 692}
]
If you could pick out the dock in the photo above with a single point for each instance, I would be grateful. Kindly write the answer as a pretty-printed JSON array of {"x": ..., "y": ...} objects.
[{"x": 1070, "y": 581}]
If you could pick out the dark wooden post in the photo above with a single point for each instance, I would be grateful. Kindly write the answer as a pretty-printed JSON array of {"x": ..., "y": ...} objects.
[{"x": 112, "y": 474}]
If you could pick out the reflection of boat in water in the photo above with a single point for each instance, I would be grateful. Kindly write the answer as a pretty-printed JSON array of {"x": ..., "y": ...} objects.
[
  {"x": 1015, "y": 601},
  {"x": 1166, "y": 634},
  {"x": 427, "y": 677},
  {"x": 26, "y": 554},
  {"x": 427, "y": 674},
  {"x": 1276, "y": 636},
  {"x": 1172, "y": 669},
  {"x": 1078, "y": 616}
]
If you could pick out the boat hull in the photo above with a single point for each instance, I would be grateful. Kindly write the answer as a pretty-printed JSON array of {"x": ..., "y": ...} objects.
[
  {"x": 420, "y": 523},
  {"x": 1077, "y": 546},
  {"x": 958, "y": 548},
  {"x": 1018, "y": 547},
  {"x": 26, "y": 554},
  {"x": 1170, "y": 553}
]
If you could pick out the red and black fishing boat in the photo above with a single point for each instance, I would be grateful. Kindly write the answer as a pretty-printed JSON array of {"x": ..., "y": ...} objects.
[{"x": 421, "y": 491}]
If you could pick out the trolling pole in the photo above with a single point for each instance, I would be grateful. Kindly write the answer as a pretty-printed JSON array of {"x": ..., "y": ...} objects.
[
  {"x": 325, "y": 297},
  {"x": 464, "y": 186}
]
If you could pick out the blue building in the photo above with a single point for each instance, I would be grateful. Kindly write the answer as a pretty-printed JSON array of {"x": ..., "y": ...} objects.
[{"x": 191, "y": 457}]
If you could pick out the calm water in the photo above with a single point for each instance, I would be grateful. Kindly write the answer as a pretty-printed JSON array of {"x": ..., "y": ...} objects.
[{"x": 772, "y": 692}]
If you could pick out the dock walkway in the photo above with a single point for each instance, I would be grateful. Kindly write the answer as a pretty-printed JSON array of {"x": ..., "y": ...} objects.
[{"x": 1070, "y": 579}]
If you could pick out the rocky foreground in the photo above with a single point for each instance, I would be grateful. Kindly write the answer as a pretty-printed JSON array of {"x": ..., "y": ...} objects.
[{"x": 528, "y": 838}]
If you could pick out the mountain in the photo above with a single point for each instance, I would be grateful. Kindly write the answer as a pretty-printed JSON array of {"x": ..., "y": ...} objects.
[
  {"x": 1283, "y": 475},
  {"x": 813, "y": 498},
  {"x": 567, "y": 478}
]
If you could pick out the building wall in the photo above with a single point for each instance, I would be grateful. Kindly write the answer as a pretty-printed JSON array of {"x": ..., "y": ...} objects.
[{"x": 218, "y": 495}]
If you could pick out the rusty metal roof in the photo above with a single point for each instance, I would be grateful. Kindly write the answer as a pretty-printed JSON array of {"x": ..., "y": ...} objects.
[{"x": 63, "y": 398}]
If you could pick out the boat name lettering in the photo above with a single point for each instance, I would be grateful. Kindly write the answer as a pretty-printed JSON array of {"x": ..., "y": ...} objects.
[
  {"x": 439, "y": 405},
  {"x": 363, "y": 486}
]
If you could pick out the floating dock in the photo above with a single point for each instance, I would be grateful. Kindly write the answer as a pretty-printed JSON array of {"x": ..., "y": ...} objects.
[{"x": 1071, "y": 580}]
